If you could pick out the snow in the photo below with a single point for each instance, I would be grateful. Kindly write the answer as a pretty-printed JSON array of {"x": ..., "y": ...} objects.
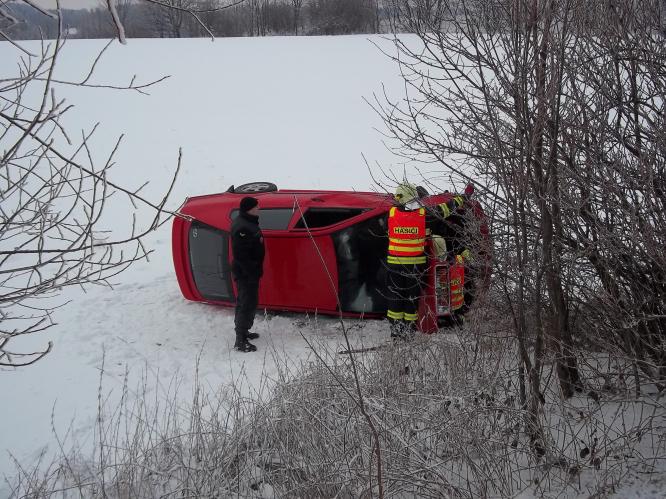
[{"x": 286, "y": 110}]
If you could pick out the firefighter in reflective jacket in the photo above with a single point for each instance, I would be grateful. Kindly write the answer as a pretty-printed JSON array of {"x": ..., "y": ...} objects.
[
  {"x": 408, "y": 225},
  {"x": 406, "y": 260}
]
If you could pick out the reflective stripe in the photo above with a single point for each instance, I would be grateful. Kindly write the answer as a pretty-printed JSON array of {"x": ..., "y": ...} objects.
[
  {"x": 420, "y": 244},
  {"x": 406, "y": 259},
  {"x": 457, "y": 283},
  {"x": 457, "y": 301},
  {"x": 459, "y": 200},
  {"x": 404, "y": 242},
  {"x": 395, "y": 315},
  {"x": 457, "y": 296},
  {"x": 411, "y": 317},
  {"x": 459, "y": 259},
  {"x": 446, "y": 211},
  {"x": 418, "y": 249},
  {"x": 392, "y": 211}
]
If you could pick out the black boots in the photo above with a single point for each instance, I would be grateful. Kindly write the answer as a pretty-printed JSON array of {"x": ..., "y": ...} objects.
[
  {"x": 242, "y": 344},
  {"x": 403, "y": 330},
  {"x": 245, "y": 346},
  {"x": 396, "y": 329}
]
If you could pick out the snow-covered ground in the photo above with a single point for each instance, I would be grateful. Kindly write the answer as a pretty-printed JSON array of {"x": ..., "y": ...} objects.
[{"x": 286, "y": 110}]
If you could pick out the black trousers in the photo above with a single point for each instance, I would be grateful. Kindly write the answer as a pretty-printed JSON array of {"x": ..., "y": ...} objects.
[
  {"x": 404, "y": 289},
  {"x": 246, "y": 305}
]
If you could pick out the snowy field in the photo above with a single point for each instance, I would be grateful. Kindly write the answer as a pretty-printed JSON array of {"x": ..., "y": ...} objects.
[{"x": 286, "y": 110}]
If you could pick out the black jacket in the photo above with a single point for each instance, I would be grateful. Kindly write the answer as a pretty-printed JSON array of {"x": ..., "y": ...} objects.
[
  {"x": 247, "y": 244},
  {"x": 449, "y": 222}
]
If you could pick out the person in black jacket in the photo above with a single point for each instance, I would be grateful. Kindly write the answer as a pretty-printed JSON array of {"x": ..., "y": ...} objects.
[{"x": 247, "y": 267}]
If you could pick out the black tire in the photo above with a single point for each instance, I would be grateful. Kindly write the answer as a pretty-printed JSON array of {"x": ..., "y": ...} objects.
[{"x": 255, "y": 188}]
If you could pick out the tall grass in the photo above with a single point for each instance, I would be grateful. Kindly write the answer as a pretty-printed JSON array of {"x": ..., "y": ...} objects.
[{"x": 446, "y": 409}]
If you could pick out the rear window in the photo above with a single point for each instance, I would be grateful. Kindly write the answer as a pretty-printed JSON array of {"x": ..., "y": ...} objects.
[
  {"x": 209, "y": 261},
  {"x": 323, "y": 217},
  {"x": 272, "y": 218}
]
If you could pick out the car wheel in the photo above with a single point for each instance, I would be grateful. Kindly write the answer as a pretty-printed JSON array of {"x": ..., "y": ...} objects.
[{"x": 255, "y": 187}]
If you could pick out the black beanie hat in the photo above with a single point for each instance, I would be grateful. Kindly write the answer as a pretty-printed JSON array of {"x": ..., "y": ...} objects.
[{"x": 247, "y": 203}]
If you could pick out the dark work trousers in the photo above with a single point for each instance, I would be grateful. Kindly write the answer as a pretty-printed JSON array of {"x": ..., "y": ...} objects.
[
  {"x": 246, "y": 306},
  {"x": 404, "y": 290}
]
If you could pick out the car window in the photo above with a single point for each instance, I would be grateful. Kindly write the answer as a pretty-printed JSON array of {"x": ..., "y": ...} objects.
[
  {"x": 209, "y": 261},
  {"x": 272, "y": 218},
  {"x": 323, "y": 217}
]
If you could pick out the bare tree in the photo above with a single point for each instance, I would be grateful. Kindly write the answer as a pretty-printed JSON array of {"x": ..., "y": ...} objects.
[
  {"x": 555, "y": 108},
  {"x": 54, "y": 193},
  {"x": 340, "y": 16},
  {"x": 122, "y": 7},
  {"x": 297, "y": 6},
  {"x": 616, "y": 163},
  {"x": 168, "y": 17},
  {"x": 257, "y": 11},
  {"x": 375, "y": 12}
]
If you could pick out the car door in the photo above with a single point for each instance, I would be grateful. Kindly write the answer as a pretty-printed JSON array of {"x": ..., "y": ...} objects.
[
  {"x": 209, "y": 262},
  {"x": 299, "y": 272},
  {"x": 296, "y": 266}
]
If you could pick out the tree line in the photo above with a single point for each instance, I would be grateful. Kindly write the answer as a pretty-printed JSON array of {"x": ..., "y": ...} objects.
[{"x": 201, "y": 18}]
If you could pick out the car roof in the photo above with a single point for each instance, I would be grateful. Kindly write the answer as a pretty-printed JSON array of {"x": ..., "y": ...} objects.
[
  {"x": 215, "y": 209},
  {"x": 285, "y": 197}
]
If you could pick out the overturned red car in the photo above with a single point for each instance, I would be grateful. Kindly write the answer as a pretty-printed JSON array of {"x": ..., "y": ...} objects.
[{"x": 325, "y": 251}]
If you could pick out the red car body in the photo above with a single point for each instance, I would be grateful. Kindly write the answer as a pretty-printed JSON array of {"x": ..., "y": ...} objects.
[{"x": 325, "y": 251}]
